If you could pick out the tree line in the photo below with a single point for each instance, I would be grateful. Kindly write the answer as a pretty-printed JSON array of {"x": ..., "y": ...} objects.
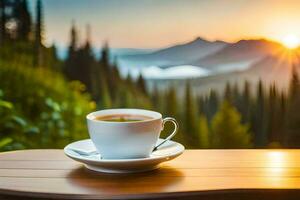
[
  {"x": 101, "y": 76},
  {"x": 259, "y": 117}
]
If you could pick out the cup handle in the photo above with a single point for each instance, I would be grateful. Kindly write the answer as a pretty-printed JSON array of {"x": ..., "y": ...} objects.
[{"x": 176, "y": 126}]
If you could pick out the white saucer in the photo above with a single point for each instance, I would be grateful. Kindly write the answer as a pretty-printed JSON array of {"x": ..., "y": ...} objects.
[{"x": 168, "y": 151}]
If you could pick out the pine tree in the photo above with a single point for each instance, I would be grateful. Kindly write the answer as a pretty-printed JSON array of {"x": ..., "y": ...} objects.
[
  {"x": 236, "y": 96},
  {"x": 52, "y": 58},
  {"x": 105, "y": 67},
  {"x": 2, "y": 21},
  {"x": 282, "y": 118},
  {"x": 259, "y": 118},
  {"x": 274, "y": 118},
  {"x": 39, "y": 23},
  {"x": 104, "y": 60},
  {"x": 115, "y": 78},
  {"x": 106, "y": 101},
  {"x": 87, "y": 67},
  {"x": 172, "y": 105},
  {"x": 201, "y": 103},
  {"x": 171, "y": 109},
  {"x": 73, "y": 43},
  {"x": 39, "y": 28},
  {"x": 115, "y": 71},
  {"x": 141, "y": 84},
  {"x": 294, "y": 86},
  {"x": 203, "y": 133},
  {"x": 53, "y": 50},
  {"x": 129, "y": 81},
  {"x": 81, "y": 65},
  {"x": 211, "y": 105},
  {"x": 293, "y": 122},
  {"x": 70, "y": 64},
  {"x": 190, "y": 120},
  {"x": 23, "y": 19},
  {"x": 228, "y": 93},
  {"x": 228, "y": 130},
  {"x": 246, "y": 103},
  {"x": 91, "y": 68}
]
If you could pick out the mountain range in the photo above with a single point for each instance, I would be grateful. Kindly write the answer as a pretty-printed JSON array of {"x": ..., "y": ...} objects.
[
  {"x": 179, "y": 54},
  {"x": 218, "y": 61}
]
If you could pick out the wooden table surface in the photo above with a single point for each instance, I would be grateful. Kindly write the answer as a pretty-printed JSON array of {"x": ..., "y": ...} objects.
[{"x": 215, "y": 174}]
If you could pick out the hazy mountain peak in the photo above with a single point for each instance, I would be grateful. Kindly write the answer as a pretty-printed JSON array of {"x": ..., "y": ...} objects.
[
  {"x": 243, "y": 50},
  {"x": 204, "y": 41},
  {"x": 200, "y": 39},
  {"x": 177, "y": 54},
  {"x": 261, "y": 41}
]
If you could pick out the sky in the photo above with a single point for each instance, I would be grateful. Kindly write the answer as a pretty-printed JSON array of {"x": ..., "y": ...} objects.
[{"x": 160, "y": 23}]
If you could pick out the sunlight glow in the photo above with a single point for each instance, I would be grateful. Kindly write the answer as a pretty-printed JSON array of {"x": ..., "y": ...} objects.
[
  {"x": 291, "y": 41},
  {"x": 276, "y": 168},
  {"x": 276, "y": 163}
]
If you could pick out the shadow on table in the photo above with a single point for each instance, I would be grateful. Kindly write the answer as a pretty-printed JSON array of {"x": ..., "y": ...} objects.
[{"x": 159, "y": 180}]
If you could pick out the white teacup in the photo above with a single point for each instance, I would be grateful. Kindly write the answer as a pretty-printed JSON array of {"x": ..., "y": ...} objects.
[{"x": 124, "y": 140}]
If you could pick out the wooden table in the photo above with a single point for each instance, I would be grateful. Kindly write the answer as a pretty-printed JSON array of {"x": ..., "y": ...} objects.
[{"x": 197, "y": 174}]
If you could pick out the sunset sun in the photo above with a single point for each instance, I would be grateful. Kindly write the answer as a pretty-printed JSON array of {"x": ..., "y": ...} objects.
[{"x": 291, "y": 41}]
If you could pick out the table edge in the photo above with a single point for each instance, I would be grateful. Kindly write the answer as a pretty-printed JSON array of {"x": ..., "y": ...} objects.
[{"x": 208, "y": 193}]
